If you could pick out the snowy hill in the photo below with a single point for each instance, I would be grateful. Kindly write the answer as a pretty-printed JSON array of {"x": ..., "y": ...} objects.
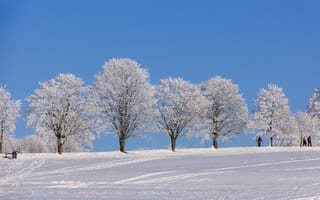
[{"x": 230, "y": 173}]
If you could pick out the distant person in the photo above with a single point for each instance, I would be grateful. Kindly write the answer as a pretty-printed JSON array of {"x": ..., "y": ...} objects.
[
  {"x": 309, "y": 141},
  {"x": 14, "y": 154},
  {"x": 259, "y": 141},
  {"x": 304, "y": 142}
]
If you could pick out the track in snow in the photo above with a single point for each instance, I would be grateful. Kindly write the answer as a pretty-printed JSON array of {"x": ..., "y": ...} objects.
[{"x": 202, "y": 174}]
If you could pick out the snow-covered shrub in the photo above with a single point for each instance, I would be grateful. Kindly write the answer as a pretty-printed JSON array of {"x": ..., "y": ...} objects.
[{"x": 33, "y": 144}]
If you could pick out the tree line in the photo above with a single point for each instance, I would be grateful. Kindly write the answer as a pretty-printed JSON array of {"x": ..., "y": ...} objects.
[{"x": 67, "y": 115}]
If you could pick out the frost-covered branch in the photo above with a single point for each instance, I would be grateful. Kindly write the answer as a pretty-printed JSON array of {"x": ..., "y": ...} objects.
[
  {"x": 179, "y": 104},
  {"x": 60, "y": 107},
  {"x": 124, "y": 97},
  {"x": 226, "y": 112},
  {"x": 9, "y": 112}
]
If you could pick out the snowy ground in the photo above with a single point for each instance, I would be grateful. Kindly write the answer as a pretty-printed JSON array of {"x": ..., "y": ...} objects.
[{"x": 231, "y": 173}]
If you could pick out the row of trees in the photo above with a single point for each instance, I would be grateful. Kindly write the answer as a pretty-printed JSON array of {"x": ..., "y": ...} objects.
[
  {"x": 121, "y": 100},
  {"x": 272, "y": 117}
]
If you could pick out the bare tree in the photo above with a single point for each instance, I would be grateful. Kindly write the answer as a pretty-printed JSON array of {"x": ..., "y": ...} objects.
[
  {"x": 123, "y": 97},
  {"x": 226, "y": 112},
  {"x": 60, "y": 107},
  {"x": 179, "y": 104},
  {"x": 9, "y": 112}
]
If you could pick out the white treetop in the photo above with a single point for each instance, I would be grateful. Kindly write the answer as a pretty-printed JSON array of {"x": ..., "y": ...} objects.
[
  {"x": 272, "y": 113},
  {"x": 226, "y": 111},
  {"x": 305, "y": 125},
  {"x": 60, "y": 107},
  {"x": 9, "y": 112},
  {"x": 179, "y": 104},
  {"x": 314, "y": 104},
  {"x": 124, "y": 98}
]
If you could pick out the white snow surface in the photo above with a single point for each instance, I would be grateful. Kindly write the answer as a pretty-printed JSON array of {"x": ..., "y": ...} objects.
[{"x": 229, "y": 173}]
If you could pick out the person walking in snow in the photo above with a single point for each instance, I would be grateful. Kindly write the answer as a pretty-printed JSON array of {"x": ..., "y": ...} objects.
[
  {"x": 259, "y": 141},
  {"x": 304, "y": 142},
  {"x": 14, "y": 154},
  {"x": 309, "y": 141}
]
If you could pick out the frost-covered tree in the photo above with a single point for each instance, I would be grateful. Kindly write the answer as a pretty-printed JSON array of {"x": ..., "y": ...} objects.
[
  {"x": 272, "y": 113},
  {"x": 60, "y": 108},
  {"x": 11, "y": 143},
  {"x": 226, "y": 112},
  {"x": 9, "y": 112},
  {"x": 47, "y": 143},
  {"x": 288, "y": 134},
  {"x": 123, "y": 97},
  {"x": 179, "y": 104},
  {"x": 304, "y": 125},
  {"x": 314, "y": 104},
  {"x": 33, "y": 144},
  {"x": 314, "y": 111}
]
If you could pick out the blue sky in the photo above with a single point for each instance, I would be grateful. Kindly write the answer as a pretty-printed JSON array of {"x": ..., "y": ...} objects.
[{"x": 251, "y": 42}]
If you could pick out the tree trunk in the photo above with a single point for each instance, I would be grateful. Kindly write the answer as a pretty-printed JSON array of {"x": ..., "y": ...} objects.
[
  {"x": 215, "y": 140},
  {"x": 1, "y": 137},
  {"x": 270, "y": 132},
  {"x": 271, "y": 138},
  {"x": 122, "y": 143},
  {"x": 173, "y": 143},
  {"x": 60, "y": 145}
]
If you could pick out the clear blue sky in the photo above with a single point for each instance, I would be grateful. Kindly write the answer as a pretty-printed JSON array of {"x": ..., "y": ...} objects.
[{"x": 251, "y": 42}]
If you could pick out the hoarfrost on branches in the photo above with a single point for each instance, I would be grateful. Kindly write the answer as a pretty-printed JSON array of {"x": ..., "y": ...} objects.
[
  {"x": 33, "y": 144},
  {"x": 305, "y": 126},
  {"x": 60, "y": 108},
  {"x": 9, "y": 112},
  {"x": 314, "y": 104},
  {"x": 226, "y": 112},
  {"x": 123, "y": 96},
  {"x": 272, "y": 113},
  {"x": 179, "y": 104}
]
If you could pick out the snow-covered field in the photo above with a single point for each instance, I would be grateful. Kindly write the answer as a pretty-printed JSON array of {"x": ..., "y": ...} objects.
[{"x": 230, "y": 173}]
